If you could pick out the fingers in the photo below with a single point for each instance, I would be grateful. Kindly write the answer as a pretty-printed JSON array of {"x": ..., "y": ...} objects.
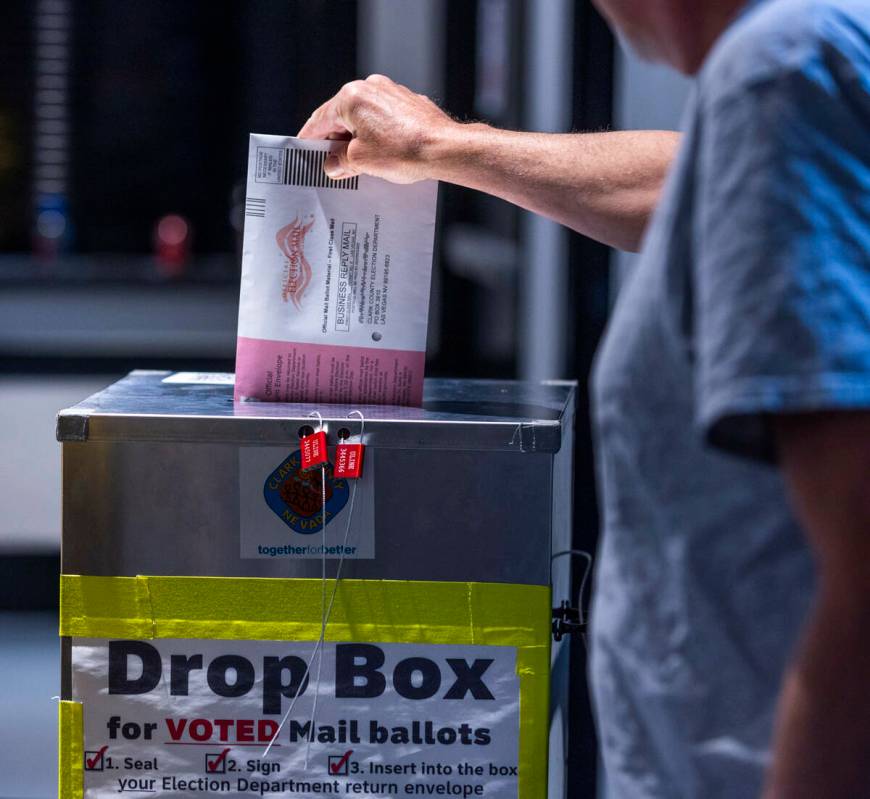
[
  {"x": 379, "y": 80},
  {"x": 336, "y": 116},
  {"x": 365, "y": 113},
  {"x": 333, "y": 120},
  {"x": 323, "y": 123}
]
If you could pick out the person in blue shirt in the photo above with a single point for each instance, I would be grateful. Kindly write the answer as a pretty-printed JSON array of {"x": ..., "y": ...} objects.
[{"x": 731, "y": 621}]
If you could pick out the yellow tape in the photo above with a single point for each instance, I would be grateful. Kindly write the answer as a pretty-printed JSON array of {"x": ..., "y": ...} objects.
[
  {"x": 70, "y": 772},
  {"x": 378, "y": 611},
  {"x": 274, "y": 609}
]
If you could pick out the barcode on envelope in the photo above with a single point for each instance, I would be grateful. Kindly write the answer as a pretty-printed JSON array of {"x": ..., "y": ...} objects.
[
  {"x": 296, "y": 167},
  {"x": 305, "y": 168},
  {"x": 255, "y": 206}
]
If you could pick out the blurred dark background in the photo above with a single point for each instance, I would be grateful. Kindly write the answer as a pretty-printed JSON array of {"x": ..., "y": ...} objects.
[{"x": 123, "y": 141}]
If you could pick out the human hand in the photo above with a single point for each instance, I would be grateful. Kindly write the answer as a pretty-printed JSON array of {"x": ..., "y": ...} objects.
[{"x": 392, "y": 132}]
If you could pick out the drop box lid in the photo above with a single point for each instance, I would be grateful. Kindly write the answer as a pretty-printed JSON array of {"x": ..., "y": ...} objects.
[{"x": 523, "y": 417}]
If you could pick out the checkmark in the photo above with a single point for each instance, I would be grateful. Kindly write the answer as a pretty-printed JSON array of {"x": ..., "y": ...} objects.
[
  {"x": 95, "y": 762},
  {"x": 217, "y": 763},
  {"x": 338, "y": 765}
]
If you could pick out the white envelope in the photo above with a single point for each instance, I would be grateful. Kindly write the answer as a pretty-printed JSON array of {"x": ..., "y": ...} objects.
[{"x": 335, "y": 281}]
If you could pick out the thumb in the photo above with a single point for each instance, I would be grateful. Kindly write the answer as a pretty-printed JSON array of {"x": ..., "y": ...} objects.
[{"x": 336, "y": 165}]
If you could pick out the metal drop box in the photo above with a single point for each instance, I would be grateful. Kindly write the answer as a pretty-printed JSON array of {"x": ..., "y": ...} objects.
[{"x": 474, "y": 486}]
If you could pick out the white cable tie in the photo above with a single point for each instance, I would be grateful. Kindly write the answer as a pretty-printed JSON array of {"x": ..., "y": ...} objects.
[
  {"x": 586, "y": 571},
  {"x": 313, "y": 719},
  {"x": 362, "y": 423},
  {"x": 318, "y": 648},
  {"x": 325, "y": 613},
  {"x": 328, "y": 614},
  {"x": 293, "y": 701}
]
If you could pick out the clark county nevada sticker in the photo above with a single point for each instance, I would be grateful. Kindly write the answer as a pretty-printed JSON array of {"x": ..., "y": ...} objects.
[{"x": 296, "y": 497}]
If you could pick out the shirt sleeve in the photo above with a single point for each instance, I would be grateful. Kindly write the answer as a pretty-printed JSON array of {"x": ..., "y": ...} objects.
[{"x": 781, "y": 301}]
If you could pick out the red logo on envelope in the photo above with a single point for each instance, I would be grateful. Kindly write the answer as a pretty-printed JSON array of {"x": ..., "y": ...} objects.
[{"x": 297, "y": 270}]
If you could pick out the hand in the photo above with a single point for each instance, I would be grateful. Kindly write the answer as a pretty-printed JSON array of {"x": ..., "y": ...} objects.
[{"x": 391, "y": 131}]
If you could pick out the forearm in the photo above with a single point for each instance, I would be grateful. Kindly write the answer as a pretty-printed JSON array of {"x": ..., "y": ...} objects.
[
  {"x": 603, "y": 185},
  {"x": 824, "y": 717},
  {"x": 823, "y": 726}
]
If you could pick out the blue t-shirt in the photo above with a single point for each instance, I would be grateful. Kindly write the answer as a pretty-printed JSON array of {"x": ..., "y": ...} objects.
[{"x": 752, "y": 298}]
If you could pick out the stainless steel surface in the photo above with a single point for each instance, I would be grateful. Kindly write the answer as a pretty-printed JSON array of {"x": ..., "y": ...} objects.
[
  {"x": 173, "y": 508},
  {"x": 464, "y": 488},
  {"x": 456, "y": 414}
]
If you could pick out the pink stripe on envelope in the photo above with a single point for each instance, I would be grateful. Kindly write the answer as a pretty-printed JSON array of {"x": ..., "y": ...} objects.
[{"x": 280, "y": 371}]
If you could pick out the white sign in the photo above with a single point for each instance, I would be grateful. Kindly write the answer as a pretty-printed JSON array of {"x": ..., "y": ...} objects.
[
  {"x": 175, "y": 717},
  {"x": 281, "y": 507}
]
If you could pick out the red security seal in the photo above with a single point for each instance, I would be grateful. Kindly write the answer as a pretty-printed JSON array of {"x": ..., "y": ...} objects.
[
  {"x": 349, "y": 460},
  {"x": 313, "y": 450}
]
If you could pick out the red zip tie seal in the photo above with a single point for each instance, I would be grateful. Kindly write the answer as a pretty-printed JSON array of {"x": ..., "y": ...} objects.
[
  {"x": 349, "y": 460},
  {"x": 312, "y": 448},
  {"x": 349, "y": 457}
]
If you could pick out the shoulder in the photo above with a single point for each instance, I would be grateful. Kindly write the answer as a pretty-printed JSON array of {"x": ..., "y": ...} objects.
[{"x": 819, "y": 40}]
